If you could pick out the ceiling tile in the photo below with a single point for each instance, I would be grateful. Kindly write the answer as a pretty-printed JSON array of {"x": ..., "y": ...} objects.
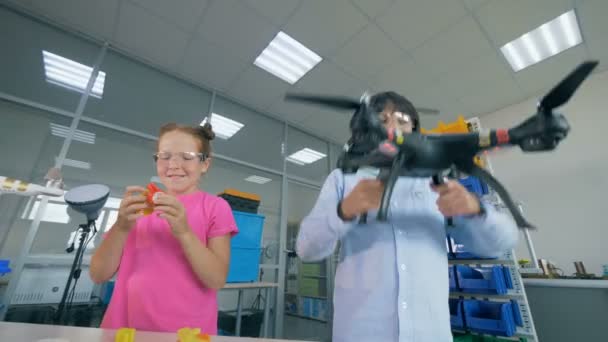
[
  {"x": 237, "y": 28},
  {"x": 149, "y": 37},
  {"x": 507, "y": 20},
  {"x": 327, "y": 78},
  {"x": 478, "y": 73},
  {"x": 324, "y": 26},
  {"x": 96, "y": 18},
  {"x": 473, "y": 4},
  {"x": 209, "y": 64},
  {"x": 258, "y": 88},
  {"x": 453, "y": 48},
  {"x": 290, "y": 111},
  {"x": 411, "y": 23},
  {"x": 367, "y": 53},
  {"x": 331, "y": 124},
  {"x": 276, "y": 11},
  {"x": 182, "y": 13},
  {"x": 373, "y": 8},
  {"x": 500, "y": 93},
  {"x": 594, "y": 28},
  {"x": 543, "y": 76},
  {"x": 403, "y": 76}
]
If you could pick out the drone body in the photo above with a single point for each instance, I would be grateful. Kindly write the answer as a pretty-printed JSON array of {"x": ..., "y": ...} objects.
[{"x": 417, "y": 155}]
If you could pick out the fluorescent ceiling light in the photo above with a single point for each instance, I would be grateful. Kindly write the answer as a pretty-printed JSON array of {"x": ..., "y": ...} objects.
[
  {"x": 258, "y": 179},
  {"x": 287, "y": 59},
  {"x": 71, "y": 75},
  {"x": 82, "y": 136},
  {"x": 543, "y": 42},
  {"x": 305, "y": 156},
  {"x": 222, "y": 126},
  {"x": 76, "y": 163}
]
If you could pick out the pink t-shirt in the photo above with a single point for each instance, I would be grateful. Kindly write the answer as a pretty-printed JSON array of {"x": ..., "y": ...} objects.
[{"x": 156, "y": 289}]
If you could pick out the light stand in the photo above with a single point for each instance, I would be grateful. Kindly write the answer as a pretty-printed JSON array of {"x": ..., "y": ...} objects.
[
  {"x": 88, "y": 200},
  {"x": 75, "y": 270}
]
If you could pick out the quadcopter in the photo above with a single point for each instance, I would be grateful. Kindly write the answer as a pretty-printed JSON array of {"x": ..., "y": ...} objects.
[{"x": 414, "y": 154}]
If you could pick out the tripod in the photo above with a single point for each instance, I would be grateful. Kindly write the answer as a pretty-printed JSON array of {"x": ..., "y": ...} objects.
[{"x": 75, "y": 270}]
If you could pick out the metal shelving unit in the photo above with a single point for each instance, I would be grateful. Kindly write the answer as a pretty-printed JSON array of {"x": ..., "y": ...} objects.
[
  {"x": 508, "y": 260},
  {"x": 310, "y": 303}
]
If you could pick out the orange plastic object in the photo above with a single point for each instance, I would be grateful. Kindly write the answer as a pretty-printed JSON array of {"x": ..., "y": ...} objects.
[
  {"x": 458, "y": 126},
  {"x": 151, "y": 189},
  {"x": 192, "y": 335},
  {"x": 236, "y": 193},
  {"x": 125, "y": 335}
]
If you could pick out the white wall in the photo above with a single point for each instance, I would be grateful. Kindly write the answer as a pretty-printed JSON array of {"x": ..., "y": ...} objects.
[{"x": 564, "y": 193}]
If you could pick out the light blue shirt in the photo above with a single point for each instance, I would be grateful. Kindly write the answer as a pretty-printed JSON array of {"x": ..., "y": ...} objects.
[{"x": 391, "y": 282}]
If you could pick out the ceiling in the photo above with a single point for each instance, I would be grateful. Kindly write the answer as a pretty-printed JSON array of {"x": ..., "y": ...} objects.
[{"x": 439, "y": 53}]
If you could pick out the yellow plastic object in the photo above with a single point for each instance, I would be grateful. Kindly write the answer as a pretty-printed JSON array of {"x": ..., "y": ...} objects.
[
  {"x": 125, "y": 335},
  {"x": 192, "y": 335}
]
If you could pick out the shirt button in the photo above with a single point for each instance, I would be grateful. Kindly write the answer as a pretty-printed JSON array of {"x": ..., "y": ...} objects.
[
  {"x": 403, "y": 267},
  {"x": 404, "y": 305},
  {"x": 400, "y": 232}
]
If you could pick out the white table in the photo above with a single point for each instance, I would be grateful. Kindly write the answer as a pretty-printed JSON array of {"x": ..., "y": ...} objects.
[
  {"x": 239, "y": 308},
  {"x": 25, "y": 332}
]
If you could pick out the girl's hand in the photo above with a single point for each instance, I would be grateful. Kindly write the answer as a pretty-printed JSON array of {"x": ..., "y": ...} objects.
[
  {"x": 131, "y": 207},
  {"x": 173, "y": 211}
]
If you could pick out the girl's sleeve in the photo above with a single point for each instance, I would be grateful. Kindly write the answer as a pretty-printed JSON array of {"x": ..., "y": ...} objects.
[{"x": 221, "y": 220}]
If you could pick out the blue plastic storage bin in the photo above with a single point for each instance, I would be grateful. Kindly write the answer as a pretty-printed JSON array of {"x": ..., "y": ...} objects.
[
  {"x": 4, "y": 267},
  {"x": 489, "y": 317},
  {"x": 244, "y": 264},
  {"x": 452, "y": 274},
  {"x": 474, "y": 185},
  {"x": 106, "y": 292},
  {"x": 481, "y": 279},
  {"x": 508, "y": 280},
  {"x": 250, "y": 230},
  {"x": 455, "y": 252},
  {"x": 457, "y": 320}
]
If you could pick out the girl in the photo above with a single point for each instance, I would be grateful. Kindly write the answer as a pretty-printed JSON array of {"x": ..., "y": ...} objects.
[{"x": 172, "y": 262}]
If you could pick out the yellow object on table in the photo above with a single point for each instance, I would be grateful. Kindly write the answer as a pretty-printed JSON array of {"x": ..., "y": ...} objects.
[
  {"x": 192, "y": 335},
  {"x": 125, "y": 335}
]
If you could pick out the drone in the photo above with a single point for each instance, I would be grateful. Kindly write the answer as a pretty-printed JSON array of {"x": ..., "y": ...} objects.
[{"x": 396, "y": 153}]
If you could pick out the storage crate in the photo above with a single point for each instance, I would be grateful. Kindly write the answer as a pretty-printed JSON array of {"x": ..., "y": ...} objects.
[
  {"x": 244, "y": 264},
  {"x": 458, "y": 251},
  {"x": 4, "y": 267},
  {"x": 474, "y": 185},
  {"x": 311, "y": 269},
  {"x": 107, "y": 290},
  {"x": 507, "y": 274},
  {"x": 241, "y": 201},
  {"x": 312, "y": 287},
  {"x": 452, "y": 275},
  {"x": 457, "y": 320},
  {"x": 487, "y": 317},
  {"x": 250, "y": 230},
  {"x": 481, "y": 279}
]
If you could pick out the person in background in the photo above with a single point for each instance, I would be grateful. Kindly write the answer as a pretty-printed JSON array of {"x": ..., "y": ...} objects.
[
  {"x": 170, "y": 263},
  {"x": 391, "y": 282}
]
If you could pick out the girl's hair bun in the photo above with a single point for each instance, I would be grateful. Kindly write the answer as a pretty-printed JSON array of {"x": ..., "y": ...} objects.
[{"x": 206, "y": 131}]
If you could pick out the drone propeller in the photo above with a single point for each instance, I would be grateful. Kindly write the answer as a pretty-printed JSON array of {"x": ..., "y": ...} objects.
[
  {"x": 341, "y": 102},
  {"x": 562, "y": 92}
]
